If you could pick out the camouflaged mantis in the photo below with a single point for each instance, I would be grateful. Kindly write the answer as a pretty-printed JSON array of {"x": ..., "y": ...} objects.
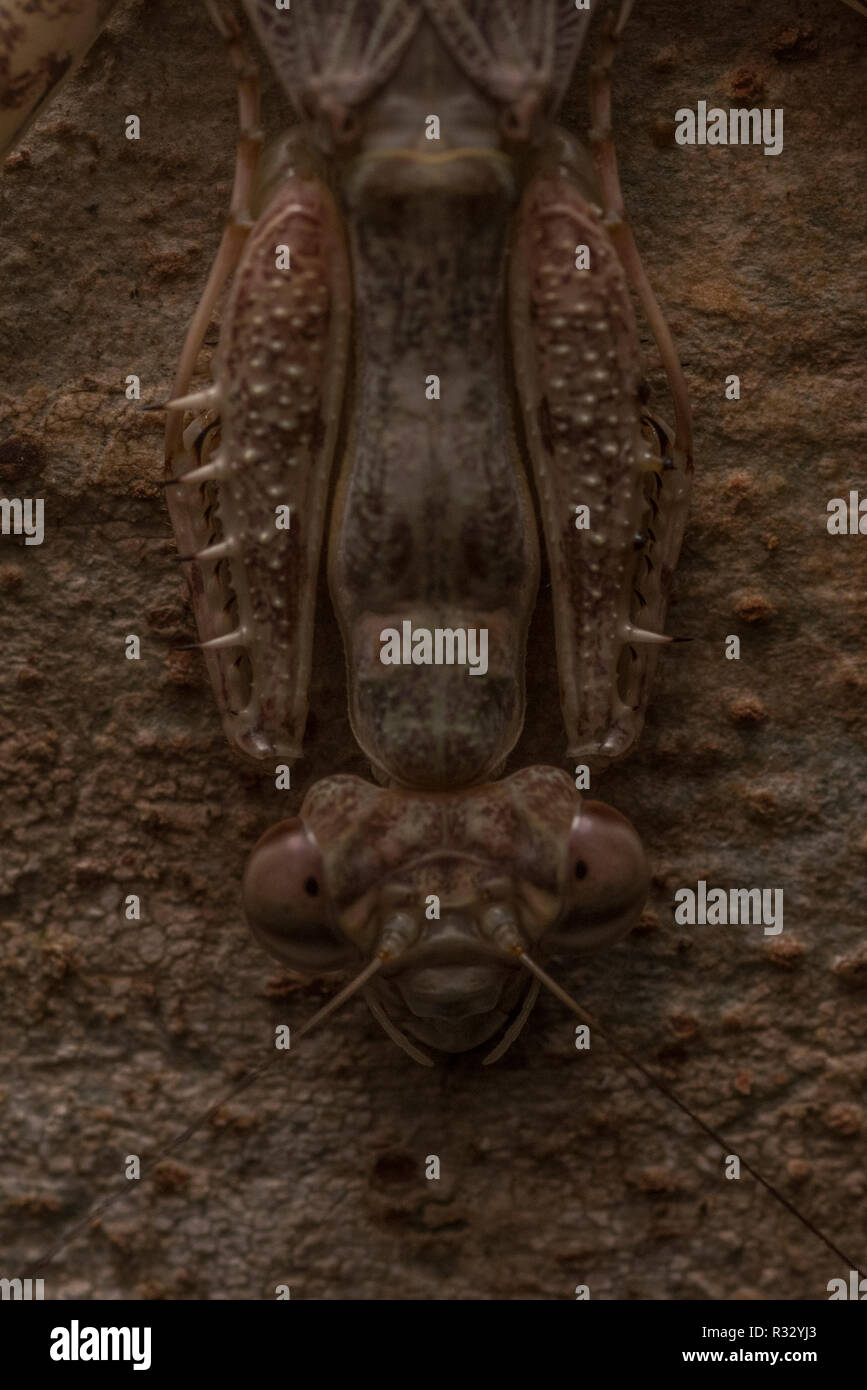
[{"x": 428, "y": 320}]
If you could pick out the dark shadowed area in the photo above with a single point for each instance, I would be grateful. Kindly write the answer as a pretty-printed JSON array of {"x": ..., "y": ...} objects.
[{"x": 558, "y": 1168}]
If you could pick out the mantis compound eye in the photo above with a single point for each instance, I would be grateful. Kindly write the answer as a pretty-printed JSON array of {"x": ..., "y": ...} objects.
[
  {"x": 286, "y": 902},
  {"x": 608, "y": 879}
]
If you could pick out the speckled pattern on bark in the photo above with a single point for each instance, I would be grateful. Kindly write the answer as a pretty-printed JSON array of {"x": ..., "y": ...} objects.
[{"x": 557, "y": 1168}]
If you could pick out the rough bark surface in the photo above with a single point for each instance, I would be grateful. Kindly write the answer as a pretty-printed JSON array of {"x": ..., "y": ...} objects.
[{"x": 558, "y": 1168}]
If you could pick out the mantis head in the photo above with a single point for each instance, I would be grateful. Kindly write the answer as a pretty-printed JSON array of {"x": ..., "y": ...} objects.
[{"x": 449, "y": 890}]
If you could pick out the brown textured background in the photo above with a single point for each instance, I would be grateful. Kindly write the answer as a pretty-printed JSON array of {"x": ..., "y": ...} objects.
[{"x": 557, "y": 1168}]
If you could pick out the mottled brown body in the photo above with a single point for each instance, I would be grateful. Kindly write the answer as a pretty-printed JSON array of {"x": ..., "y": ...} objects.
[
  {"x": 279, "y": 374},
  {"x": 435, "y": 522},
  {"x": 409, "y": 346},
  {"x": 578, "y": 375},
  {"x": 435, "y": 355}
]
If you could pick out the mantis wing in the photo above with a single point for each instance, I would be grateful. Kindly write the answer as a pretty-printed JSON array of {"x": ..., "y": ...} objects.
[
  {"x": 332, "y": 57},
  {"x": 519, "y": 52}
]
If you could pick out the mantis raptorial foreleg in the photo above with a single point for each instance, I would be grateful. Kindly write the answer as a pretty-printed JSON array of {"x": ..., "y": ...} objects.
[
  {"x": 250, "y": 519},
  {"x": 277, "y": 399},
  {"x": 613, "y": 485}
]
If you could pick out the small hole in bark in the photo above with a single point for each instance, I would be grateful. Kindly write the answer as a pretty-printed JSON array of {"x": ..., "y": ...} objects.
[
  {"x": 395, "y": 1167},
  {"x": 580, "y": 869}
]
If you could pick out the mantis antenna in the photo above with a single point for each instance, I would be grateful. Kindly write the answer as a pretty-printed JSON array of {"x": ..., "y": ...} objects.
[
  {"x": 246, "y": 1081},
  {"x": 718, "y": 1139}
]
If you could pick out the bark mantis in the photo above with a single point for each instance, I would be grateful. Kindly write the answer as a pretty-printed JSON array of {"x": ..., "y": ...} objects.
[
  {"x": 400, "y": 256},
  {"x": 535, "y": 812}
]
